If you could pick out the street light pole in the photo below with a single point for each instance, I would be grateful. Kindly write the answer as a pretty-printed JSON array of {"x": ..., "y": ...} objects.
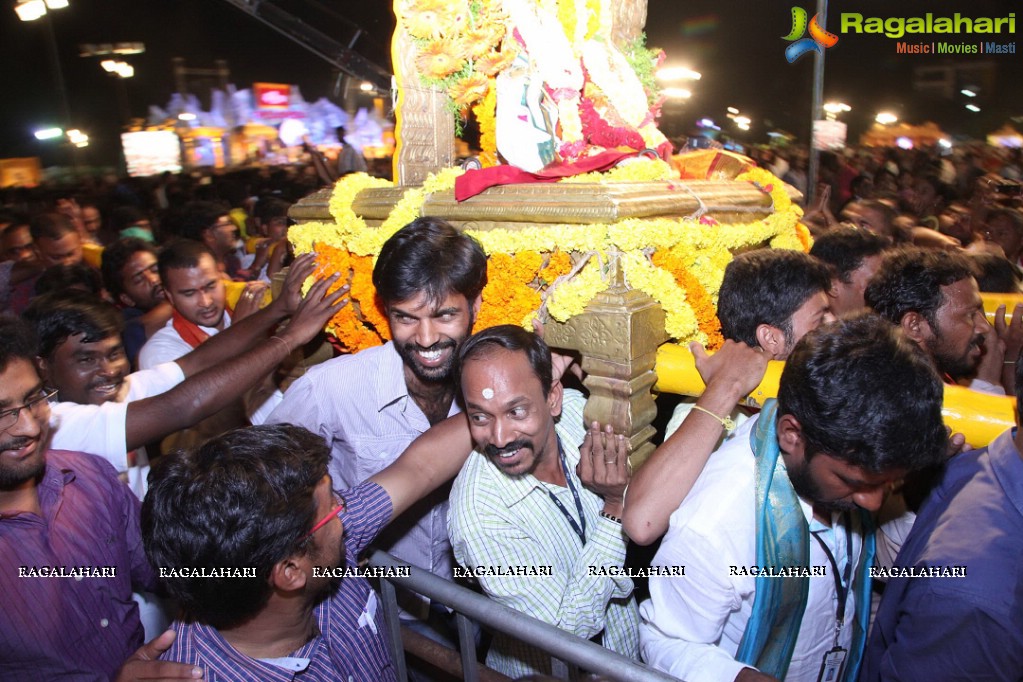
[{"x": 816, "y": 106}]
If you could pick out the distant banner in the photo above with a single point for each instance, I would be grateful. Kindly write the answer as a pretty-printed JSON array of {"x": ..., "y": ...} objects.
[
  {"x": 272, "y": 96},
  {"x": 828, "y": 134},
  {"x": 151, "y": 152}
]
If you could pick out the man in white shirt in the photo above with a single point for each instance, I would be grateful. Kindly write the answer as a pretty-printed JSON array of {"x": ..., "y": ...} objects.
[
  {"x": 775, "y": 534},
  {"x": 371, "y": 405},
  {"x": 96, "y": 413},
  {"x": 194, "y": 286}
]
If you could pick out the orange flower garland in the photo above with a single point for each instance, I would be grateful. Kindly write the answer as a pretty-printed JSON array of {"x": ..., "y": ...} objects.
[
  {"x": 696, "y": 295},
  {"x": 559, "y": 263},
  {"x": 365, "y": 294},
  {"x": 346, "y": 326},
  {"x": 508, "y": 298}
]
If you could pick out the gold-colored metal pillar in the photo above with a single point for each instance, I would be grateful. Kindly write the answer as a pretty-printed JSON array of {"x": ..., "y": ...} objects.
[{"x": 617, "y": 335}]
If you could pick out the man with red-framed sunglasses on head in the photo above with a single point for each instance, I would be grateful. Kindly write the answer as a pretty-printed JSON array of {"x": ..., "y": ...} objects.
[{"x": 248, "y": 533}]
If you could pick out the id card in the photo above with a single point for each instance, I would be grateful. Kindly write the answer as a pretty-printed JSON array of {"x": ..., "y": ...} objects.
[{"x": 831, "y": 668}]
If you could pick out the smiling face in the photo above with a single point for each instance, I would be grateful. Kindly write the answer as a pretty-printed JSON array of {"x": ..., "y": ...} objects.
[
  {"x": 87, "y": 373},
  {"x": 427, "y": 334},
  {"x": 198, "y": 293},
  {"x": 510, "y": 419},
  {"x": 23, "y": 444}
]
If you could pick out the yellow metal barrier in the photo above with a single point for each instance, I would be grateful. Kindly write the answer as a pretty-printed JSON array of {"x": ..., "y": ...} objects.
[
  {"x": 992, "y": 301},
  {"x": 978, "y": 416}
]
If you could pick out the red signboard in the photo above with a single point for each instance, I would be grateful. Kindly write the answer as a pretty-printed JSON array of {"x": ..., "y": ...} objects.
[{"x": 272, "y": 96}]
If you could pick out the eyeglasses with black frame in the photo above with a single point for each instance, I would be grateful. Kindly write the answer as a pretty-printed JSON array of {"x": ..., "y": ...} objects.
[{"x": 9, "y": 417}]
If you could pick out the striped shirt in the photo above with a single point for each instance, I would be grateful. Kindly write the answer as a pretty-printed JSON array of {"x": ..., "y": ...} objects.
[
  {"x": 360, "y": 405},
  {"x": 80, "y": 628},
  {"x": 502, "y": 521},
  {"x": 351, "y": 646}
]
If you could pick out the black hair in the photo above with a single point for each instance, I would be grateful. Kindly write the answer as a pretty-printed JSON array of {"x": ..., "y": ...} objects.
[
  {"x": 200, "y": 216},
  {"x": 115, "y": 257},
  {"x": 767, "y": 286},
  {"x": 241, "y": 500},
  {"x": 429, "y": 255},
  {"x": 845, "y": 247},
  {"x": 996, "y": 274},
  {"x": 180, "y": 254},
  {"x": 123, "y": 217},
  {"x": 17, "y": 342},
  {"x": 52, "y": 226},
  {"x": 855, "y": 386},
  {"x": 1015, "y": 217},
  {"x": 268, "y": 208},
  {"x": 58, "y": 316},
  {"x": 910, "y": 280},
  {"x": 511, "y": 338},
  {"x": 58, "y": 278}
]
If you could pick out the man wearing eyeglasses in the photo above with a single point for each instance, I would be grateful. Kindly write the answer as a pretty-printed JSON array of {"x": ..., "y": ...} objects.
[
  {"x": 66, "y": 509},
  {"x": 70, "y": 548},
  {"x": 260, "y": 500}
]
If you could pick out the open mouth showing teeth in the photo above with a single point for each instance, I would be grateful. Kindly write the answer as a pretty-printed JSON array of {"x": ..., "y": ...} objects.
[
  {"x": 430, "y": 355},
  {"x": 106, "y": 388}
]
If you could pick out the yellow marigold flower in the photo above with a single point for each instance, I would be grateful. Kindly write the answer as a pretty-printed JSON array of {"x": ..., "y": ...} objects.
[
  {"x": 439, "y": 58},
  {"x": 469, "y": 90},
  {"x": 425, "y": 18},
  {"x": 477, "y": 42},
  {"x": 493, "y": 62}
]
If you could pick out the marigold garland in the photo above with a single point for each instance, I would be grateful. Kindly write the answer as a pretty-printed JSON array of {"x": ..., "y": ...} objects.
[
  {"x": 530, "y": 266},
  {"x": 697, "y": 297},
  {"x": 485, "y": 112}
]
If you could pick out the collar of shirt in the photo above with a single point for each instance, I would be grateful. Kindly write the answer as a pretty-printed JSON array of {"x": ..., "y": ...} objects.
[
  {"x": 391, "y": 388},
  {"x": 1007, "y": 464},
  {"x": 50, "y": 491},
  {"x": 230, "y": 665}
]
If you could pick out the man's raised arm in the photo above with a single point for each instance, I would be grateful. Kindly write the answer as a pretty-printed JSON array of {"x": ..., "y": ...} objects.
[
  {"x": 213, "y": 388},
  {"x": 664, "y": 480},
  {"x": 246, "y": 333}
]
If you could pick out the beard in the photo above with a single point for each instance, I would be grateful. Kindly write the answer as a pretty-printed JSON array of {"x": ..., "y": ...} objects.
[
  {"x": 14, "y": 474},
  {"x": 955, "y": 365},
  {"x": 441, "y": 373},
  {"x": 805, "y": 485}
]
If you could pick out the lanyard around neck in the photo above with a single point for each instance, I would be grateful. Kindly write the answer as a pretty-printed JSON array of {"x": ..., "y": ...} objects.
[
  {"x": 579, "y": 530},
  {"x": 843, "y": 584}
]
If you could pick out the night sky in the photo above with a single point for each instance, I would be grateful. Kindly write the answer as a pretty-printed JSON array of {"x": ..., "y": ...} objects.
[{"x": 735, "y": 44}]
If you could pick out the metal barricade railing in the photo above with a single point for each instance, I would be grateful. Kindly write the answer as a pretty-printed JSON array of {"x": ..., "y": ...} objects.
[{"x": 567, "y": 651}]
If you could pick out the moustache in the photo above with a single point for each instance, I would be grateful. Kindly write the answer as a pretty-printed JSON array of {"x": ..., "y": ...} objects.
[
  {"x": 491, "y": 450},
  {"x": 15, "y": 444}
]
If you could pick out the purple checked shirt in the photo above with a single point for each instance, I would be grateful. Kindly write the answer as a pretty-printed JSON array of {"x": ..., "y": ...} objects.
[
  {"x": 352, "y": 646},
  {"x": 72, "y": 628}
]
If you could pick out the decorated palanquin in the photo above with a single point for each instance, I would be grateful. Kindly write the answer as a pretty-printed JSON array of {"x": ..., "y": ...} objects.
[{"x": 614, "y": 261}]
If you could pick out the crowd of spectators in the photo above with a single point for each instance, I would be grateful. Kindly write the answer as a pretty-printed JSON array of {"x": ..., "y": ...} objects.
[{"x": 164, "y": 449}]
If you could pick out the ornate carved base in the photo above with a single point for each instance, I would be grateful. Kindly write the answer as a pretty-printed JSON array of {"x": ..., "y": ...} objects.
[{"x": 618, "y": 335}]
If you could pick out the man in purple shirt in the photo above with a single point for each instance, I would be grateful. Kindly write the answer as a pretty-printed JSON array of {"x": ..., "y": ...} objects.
[
  {"x": 256, "y": 510},
  {"x": 70, "y": 549},
  {"x": 953, "y": 606}
]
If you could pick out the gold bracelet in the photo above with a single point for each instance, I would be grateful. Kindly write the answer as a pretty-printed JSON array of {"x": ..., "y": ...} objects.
[
  {"x": 726, "y": 422},
  {"x": 287, "y": 347}
]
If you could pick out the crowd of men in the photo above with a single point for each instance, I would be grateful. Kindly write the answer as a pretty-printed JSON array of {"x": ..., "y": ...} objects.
[{"x": 178, "y": 500}]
